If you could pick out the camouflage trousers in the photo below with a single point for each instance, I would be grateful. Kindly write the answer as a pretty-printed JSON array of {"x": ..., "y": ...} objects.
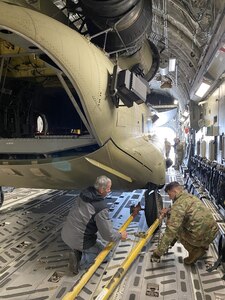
[{"x": 189, "y": 242}]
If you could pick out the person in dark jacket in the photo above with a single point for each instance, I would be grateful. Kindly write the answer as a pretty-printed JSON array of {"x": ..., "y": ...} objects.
[
  {"x": 190, "y": 222},
  {"x": 89, "y": 215}
]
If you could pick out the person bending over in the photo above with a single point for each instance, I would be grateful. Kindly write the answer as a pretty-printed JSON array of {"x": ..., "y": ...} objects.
[
  {"x": 190, "y": 222},
  {"x": 89, "y": 215}
]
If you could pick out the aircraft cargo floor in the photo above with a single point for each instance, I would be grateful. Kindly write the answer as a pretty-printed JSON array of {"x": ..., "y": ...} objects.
[{"x": 34, "y": 260}]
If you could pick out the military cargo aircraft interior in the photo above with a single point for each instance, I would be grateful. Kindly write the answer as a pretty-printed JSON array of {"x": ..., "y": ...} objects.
[{"x": 133, "y": 90}]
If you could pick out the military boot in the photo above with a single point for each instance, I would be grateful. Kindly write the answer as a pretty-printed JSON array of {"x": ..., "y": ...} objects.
[
  {"x": 187, "y": 246},
  {"x": 74, "y": 261},
  {"x": 194, "y": 255}
]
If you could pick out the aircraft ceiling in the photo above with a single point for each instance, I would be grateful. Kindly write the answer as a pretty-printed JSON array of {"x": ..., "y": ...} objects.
[
  {"x": 184, "y": 30},
  {"x": 190, "y": 31}
]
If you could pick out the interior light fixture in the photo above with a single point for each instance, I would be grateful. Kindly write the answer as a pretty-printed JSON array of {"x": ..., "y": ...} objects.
[
  {"x": 175, "y": 102},
  {"x": 202, "y": 89},
  {"x": 172, "y": 64}
]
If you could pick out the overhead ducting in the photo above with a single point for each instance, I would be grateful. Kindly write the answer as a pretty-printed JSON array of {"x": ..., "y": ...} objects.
[{"x": 118, "y": 26}]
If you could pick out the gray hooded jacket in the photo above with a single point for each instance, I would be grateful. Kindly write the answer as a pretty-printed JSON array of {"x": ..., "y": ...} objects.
[{"x": 88, "y": 215}]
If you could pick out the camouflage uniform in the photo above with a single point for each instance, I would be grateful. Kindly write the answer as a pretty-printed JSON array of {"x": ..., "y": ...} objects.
[
  {"x": 179, "y": 153},
  {"x": 167, "y": 148},
  {"x": 190, "y": 222}
]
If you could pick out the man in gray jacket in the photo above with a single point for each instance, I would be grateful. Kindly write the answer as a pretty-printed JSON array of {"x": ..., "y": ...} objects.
[{"x": 89, "y": 215}]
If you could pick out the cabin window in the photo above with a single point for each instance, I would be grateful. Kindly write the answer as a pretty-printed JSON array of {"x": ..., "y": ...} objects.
[{"x": 40, "y": 124}]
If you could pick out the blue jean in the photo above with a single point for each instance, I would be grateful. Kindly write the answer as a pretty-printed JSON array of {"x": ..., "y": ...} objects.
[{"x": 89, "y": 255}]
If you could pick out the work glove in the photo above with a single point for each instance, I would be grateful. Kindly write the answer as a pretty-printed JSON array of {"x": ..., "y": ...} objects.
[{"x": 155, "y": 257}]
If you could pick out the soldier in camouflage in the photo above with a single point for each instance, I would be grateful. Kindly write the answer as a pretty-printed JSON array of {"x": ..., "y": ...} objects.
[
  {"x": 190, "y": 222},
  {"x": 179, "y": 153}
]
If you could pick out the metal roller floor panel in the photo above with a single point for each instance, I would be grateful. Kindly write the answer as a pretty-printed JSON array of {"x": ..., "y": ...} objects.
[{"x": 34, "y": 260}]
